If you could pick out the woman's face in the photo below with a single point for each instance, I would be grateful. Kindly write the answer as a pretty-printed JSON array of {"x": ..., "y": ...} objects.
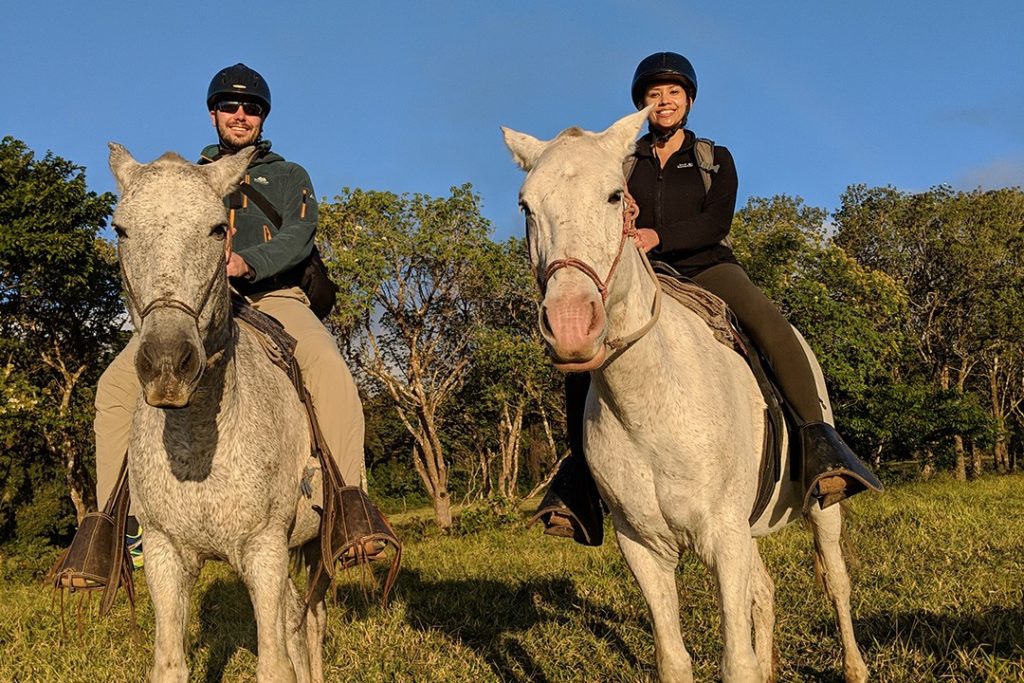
[{"x": 671, "y": 103}]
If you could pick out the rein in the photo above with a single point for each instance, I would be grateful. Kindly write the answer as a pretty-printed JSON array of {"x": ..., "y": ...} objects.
[
  {"x": 630, "y": 211},
  {"x": 170, "y": 302}
]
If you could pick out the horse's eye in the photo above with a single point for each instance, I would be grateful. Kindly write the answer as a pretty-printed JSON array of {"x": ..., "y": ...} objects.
[
  {"x": 120, "y": 232},
  {"x": 525, "y": 209},
  {"x": 219, "y": 232},
  {"x": 615, "y": 197}
]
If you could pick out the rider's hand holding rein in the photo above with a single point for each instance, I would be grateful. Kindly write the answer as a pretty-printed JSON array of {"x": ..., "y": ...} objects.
[{"x": 646, "y": 239}]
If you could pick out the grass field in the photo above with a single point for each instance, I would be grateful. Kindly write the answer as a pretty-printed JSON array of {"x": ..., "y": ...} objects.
[{"x": 937, "y": 597}]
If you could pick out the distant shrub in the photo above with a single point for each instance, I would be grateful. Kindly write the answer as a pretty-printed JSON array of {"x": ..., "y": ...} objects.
[{"x": 490, "y": 514}]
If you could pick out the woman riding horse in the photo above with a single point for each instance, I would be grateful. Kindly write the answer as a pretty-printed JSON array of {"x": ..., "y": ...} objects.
[{"x": 685, "y": 189}]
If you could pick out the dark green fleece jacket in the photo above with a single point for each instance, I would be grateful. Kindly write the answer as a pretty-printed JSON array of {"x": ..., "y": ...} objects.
[{"x": 271, "y": 253}]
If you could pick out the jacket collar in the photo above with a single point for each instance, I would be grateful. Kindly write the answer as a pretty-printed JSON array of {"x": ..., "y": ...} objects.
[{"x": 643, "y": 145}]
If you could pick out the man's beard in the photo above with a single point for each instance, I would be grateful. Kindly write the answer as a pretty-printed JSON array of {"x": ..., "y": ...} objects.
[{"x": 251, "y": 137}]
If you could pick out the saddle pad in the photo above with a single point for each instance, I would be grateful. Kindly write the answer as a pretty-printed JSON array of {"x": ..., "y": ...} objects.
[
  {"x": 709, "y": 307},
  {"x": 278, "y": 344}
]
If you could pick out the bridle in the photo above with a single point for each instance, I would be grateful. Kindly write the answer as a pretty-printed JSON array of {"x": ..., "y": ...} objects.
[
  {"x": 630, "y": 211},
  {"x": 171, "y": 302}
]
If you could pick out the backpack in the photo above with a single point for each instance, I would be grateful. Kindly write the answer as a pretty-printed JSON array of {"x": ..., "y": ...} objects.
[{"x": 704, "y": 150}]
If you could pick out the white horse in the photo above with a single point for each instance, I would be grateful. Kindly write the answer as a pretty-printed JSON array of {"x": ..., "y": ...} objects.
[
  {"x": 220, "y": 442},
  {"x": 674, "y": 420}
]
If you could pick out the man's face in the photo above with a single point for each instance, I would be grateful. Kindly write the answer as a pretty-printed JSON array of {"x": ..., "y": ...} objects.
[{"x": 236, "y": 128}]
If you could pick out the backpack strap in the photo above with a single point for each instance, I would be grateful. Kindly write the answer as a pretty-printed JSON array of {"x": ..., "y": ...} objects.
[
  {"x": 263, "y": 203},
  {"x": 705, "y": 153},
  {"x": 703, "y": 148}
]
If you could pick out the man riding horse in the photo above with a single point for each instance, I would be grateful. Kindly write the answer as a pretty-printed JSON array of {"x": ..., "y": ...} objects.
[{"x": 274, "y": 221}]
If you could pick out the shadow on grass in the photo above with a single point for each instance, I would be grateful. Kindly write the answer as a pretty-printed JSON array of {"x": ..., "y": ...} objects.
[
  {"x": 490, "y": 616},
  {"x": 998, "y": 632},
  {"x": 940, "y": 636},
  {"x": 226, "y": 625}
]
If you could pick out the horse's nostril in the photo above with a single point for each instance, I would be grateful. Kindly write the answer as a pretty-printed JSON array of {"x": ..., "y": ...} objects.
[
  {"x": 545, "y": 324},
  {"x": 596, "y": 318},
  {"x": 144, "y": 362},
  {"x": 188, "y": 360}
]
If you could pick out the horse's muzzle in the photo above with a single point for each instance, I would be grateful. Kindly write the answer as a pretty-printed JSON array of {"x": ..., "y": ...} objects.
[
  {"x": 574, "y": 328},
  {"x": 169, "y": 370}
]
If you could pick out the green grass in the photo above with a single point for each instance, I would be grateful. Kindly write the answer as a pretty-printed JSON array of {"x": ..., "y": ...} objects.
[{"x": 937, "y": 597}]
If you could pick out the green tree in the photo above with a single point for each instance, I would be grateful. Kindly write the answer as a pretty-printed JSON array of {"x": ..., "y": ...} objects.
[
  {"x": 415, "y": 269},
  {"x": 849, "y": 314},
  {"x": 60, "y": 316},
  {"x": 954, "y": 253}
]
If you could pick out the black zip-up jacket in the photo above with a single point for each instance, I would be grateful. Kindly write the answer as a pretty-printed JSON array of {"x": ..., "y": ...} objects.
[{"x": 690, "y": 224}]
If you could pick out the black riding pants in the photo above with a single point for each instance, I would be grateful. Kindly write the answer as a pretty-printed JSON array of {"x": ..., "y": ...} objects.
[{"x": 771, "y": 333}]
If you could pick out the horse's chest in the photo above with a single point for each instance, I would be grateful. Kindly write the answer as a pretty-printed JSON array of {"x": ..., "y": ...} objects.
[{"x": 211, "y": 493}]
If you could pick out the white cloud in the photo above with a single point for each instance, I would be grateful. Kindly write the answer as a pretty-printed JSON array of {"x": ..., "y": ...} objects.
[{"x": 998, "y": 173}]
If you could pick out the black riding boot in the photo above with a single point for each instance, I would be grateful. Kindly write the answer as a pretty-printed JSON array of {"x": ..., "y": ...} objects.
[
  {"x": 572, "y": 507},
  {"x": 830, "y": 471}
]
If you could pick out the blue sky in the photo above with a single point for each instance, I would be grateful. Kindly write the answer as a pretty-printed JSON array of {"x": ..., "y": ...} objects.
[{"x": 809, "y": 95}]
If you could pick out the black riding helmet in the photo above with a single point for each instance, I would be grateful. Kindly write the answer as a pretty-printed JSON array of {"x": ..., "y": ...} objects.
[
  {"x": 663, "y": 66},
  {"x": 239, "y": 82}
]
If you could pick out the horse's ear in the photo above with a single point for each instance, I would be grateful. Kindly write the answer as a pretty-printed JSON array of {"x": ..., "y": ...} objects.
[
  {"x": 621, "y": 135},
  {"x": 122, "y": 165},
  {"x": 525, "y": 148},
  {"x": 227, "y": 172}
]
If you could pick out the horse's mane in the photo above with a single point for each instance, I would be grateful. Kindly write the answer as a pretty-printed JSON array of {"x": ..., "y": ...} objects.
[{"x": 573, "y": 132}]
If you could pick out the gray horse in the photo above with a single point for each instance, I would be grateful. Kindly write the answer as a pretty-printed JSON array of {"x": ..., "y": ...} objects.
[{"x": 219, "y": 440}]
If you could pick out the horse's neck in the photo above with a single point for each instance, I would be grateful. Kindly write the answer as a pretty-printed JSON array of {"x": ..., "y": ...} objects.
[{"x": 648, "y": 370}]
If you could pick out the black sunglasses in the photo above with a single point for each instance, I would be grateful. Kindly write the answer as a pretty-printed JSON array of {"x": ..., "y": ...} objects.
[{"x": 230, "y": 107}]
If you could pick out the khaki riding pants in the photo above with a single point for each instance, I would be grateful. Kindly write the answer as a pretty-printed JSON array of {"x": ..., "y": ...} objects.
[{"x": 335, "y": 398}]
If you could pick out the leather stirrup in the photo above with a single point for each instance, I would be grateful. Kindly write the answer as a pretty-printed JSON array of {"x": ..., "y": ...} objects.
[
  {"x": 98, "y": 558},
  {"x": 352, "y": 529},
  {"x": 830, "y": 471}
]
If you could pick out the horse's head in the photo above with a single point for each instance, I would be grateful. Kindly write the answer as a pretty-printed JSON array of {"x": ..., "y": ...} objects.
[
  {"x": 573, "y": 198},
  {"x": 172, "y": 229}
]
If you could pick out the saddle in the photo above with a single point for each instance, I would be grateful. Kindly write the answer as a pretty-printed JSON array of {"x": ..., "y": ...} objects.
[
  {"x": 352, "y": 529},
  {"x": 728, "y": 331}
]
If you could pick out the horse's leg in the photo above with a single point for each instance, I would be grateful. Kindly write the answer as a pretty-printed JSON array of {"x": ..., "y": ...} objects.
[
  {"x": 264, "y": 568},
  {"x": 827, "y": 526},
  {"x": 170, "y": 578},
  {"x": 657, "y": 578},
  {"x": 296, "y": 634},
  {"x": 762, "y": 590},
  {"x": 731, "y": 563},
  {"x": 316, "y": 613}
]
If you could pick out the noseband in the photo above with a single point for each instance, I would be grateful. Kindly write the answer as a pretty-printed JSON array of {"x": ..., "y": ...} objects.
[
  {"x": 630, "y": 211},
  {"x": 170, "y": 302}
]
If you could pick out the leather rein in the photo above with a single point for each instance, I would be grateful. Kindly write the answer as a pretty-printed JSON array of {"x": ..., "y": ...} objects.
[{"x": 630, "y": 211}]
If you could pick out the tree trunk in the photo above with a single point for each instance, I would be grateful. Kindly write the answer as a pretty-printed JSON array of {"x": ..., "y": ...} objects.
[
  {"x": 960, "y": 471},
  {"x": 976, "y": 463},
  {"x": 1001, "y": 454},
  {"x": 928, "y": 466},
  {"x": 429, "y": 463},
  {"x": 511, "y": 432}
]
